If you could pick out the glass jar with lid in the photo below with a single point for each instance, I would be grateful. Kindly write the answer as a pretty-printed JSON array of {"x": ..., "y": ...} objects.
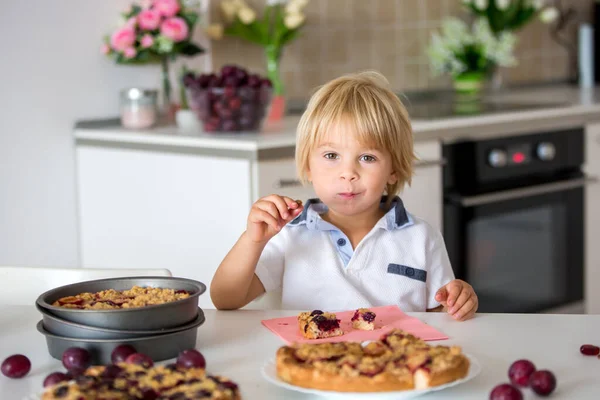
[{"x": 138, "y": 108}]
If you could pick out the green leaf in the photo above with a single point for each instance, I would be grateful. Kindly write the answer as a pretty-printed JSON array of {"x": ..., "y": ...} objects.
[
  {"x": 265, "y": 25},
  {"x": 514, "y": 17},
  {"x": 237, "y": 28},
  {"x": 190, "y": 18},
  {"x": 257, "y": 31},
  {"x": 145, "y": 56},
  {"x": 187, "y": 49},
  {"x": 135, "y": 10},
  {"x": 289, "y": 36},
  {"x": 496, "y": 18},
  {"x": 279, "y": 29},
  {"x": 523, "y": 17}
]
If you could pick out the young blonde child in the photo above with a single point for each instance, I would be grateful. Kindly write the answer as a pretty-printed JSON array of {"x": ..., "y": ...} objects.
[{"x": 356, "y": 245}]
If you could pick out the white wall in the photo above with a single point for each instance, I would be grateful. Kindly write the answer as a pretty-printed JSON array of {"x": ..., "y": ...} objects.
[{"x": 52, "y": 74}]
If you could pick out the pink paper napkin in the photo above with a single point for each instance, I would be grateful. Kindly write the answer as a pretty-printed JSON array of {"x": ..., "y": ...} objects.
[{"x": 388, "y": 318}]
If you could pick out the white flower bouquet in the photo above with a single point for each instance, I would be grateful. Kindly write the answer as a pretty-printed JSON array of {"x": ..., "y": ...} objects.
[
  {"x": 475, "y": 50},
  {"x": 280, "y": 24},
  {"x": 511, "y": 15}
]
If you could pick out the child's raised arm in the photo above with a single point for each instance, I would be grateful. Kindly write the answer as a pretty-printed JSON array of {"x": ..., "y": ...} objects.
[{"x": 235, "y": 284}]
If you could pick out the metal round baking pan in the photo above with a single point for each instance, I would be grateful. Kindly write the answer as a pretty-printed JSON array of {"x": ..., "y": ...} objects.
[
  {"x": 157, "y": 347},
  {"x": 57, "y": 326},
  {"x": 149, "y": 318}
]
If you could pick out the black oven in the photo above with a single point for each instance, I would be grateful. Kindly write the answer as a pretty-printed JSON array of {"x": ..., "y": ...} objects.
[{"x": 514, "y": 219}]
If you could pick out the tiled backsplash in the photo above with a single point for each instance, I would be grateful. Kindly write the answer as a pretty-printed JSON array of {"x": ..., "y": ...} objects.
[{"x": 343, "y": 36}]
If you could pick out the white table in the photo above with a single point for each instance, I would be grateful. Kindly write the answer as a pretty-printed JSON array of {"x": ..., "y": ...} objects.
[{"x": 236, "y": 345}]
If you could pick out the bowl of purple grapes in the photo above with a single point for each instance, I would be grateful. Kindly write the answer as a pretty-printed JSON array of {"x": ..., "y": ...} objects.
[{"x": 232, "y": 100}]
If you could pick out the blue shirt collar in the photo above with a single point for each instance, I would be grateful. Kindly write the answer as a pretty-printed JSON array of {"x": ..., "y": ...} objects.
[{"x": 395, "y": 218}]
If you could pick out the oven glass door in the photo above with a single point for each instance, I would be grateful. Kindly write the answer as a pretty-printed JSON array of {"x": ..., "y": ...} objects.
[{"x": 520, "y": 254}]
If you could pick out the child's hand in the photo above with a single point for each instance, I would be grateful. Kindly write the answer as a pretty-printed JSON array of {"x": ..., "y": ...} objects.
[
  {"x": 269, "y": 214},
  {"x": 459, "y": 298}
]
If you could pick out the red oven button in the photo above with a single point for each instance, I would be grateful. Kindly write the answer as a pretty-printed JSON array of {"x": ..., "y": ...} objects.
[{"x": 518, "y": 157}]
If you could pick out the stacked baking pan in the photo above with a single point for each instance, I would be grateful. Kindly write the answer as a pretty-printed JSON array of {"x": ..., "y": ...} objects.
[{"x": 159, "y": 331}]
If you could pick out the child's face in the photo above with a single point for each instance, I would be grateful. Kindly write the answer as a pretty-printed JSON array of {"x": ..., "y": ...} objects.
[{"x": 348, "y": 176}]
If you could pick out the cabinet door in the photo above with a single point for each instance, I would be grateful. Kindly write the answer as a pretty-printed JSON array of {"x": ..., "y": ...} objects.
[
  {"x": 424, "y": 198},
  {"x": 279, "y": 176},
  {"x": 592, "y": 220},
  {"x": 143, "y": 209}
]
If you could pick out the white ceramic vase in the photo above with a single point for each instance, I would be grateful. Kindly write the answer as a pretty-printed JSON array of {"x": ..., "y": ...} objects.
[{"x": 186, "y": 120}]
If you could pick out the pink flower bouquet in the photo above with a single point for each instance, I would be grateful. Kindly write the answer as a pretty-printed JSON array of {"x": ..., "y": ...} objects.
[{"x": 155, "y": 31}]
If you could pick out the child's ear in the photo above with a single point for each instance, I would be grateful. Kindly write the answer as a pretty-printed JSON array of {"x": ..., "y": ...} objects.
[{"x": 392, "y": 179}]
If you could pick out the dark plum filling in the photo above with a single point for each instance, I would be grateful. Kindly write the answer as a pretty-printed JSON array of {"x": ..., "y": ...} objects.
[
  {"x": 369, "y": 316},
  {"x": 325, "y": 324}
]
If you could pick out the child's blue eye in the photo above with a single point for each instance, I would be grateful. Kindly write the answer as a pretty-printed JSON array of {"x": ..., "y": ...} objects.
[
  {"x": 331, "y": 156},
  {"x": 368, "y": 158}
]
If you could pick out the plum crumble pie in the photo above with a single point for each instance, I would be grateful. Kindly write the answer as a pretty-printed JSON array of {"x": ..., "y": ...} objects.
[
  {"x": 363, "y": 319},
  {"x": 132, "y": 298},
  {"x": 398, "y": 361},
  {"x": 318, "y": 324},
  {"x": 124, "y": 381}
]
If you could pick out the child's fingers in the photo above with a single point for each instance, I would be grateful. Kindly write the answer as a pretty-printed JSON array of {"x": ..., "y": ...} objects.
[
  {"x": 259, "y": 215},
  {"x": 467, "y": 311},
  {"x": 454, "y": 288},
  {"x": 441, "y": 294},
  {"x": 296, "y": 212},
  {"x": 465, "y": 294},
  {"x": 292, "y": 204},
  {"x": 269, "y": 207},
  {"x": 294, "y": 207},
  {"x": 281, "y": 205}
]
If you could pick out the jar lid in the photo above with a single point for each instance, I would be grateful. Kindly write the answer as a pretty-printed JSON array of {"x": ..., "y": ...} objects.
[{"x": 139, "y": 94}]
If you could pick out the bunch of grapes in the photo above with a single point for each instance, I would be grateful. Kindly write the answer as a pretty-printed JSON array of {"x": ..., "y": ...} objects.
[{"x": 233, "y": 100}]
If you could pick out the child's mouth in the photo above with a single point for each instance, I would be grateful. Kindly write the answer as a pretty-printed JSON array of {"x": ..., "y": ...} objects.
[{"x": 347, "y": 195}]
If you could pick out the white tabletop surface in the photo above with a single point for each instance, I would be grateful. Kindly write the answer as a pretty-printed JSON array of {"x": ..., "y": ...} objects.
[{"x": 236, "y": 345}]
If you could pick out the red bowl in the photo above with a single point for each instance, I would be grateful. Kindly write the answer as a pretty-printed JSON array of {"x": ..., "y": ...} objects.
[{"x": 230, "y": 109}]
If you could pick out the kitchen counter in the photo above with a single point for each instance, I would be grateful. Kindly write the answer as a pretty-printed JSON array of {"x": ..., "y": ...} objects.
[
  {"x": 236, "y": 345},
  {"x": 512, "y": 112}
]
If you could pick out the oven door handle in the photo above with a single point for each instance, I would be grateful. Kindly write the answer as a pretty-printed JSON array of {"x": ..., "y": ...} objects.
[{"x": 479, "y": 200}]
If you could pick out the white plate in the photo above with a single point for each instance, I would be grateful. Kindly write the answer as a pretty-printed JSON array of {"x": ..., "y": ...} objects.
[{"x": 269, "y": 372}]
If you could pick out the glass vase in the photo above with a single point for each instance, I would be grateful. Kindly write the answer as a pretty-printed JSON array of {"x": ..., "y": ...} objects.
[
  {"x": 469, "y": 83},
  {"x": 273, "y": 58},
  {"x": 469, "y": 87},
  {"x": 167, "y": 109}
]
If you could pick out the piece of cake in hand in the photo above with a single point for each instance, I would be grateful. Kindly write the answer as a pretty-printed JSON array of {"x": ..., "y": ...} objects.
[
  {"x": 318, "y": 324},
  {"x": 363, "y": 319}
]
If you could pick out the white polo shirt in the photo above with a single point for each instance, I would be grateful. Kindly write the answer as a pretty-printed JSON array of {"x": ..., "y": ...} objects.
[{"x": 402, "y": 261}]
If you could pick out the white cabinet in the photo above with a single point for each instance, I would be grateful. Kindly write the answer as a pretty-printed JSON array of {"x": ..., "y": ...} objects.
[
  {"x": 424, "y": 198},
  {"x": 146, "y": 209},
  {"x": 183, "y": 211},
  {"x": 592, "y": 220}
]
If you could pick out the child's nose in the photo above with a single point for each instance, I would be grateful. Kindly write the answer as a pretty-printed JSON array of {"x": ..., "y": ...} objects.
[{"x": 349, "y": 174}]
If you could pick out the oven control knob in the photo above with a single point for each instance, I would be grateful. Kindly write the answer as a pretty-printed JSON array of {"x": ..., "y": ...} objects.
[
  {"x": 546, "y": 151},
  {"x": 497, "y": 158}
]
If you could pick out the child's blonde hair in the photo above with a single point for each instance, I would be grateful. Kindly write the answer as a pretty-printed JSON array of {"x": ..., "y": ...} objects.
[{"x": 375, "y": 113}]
